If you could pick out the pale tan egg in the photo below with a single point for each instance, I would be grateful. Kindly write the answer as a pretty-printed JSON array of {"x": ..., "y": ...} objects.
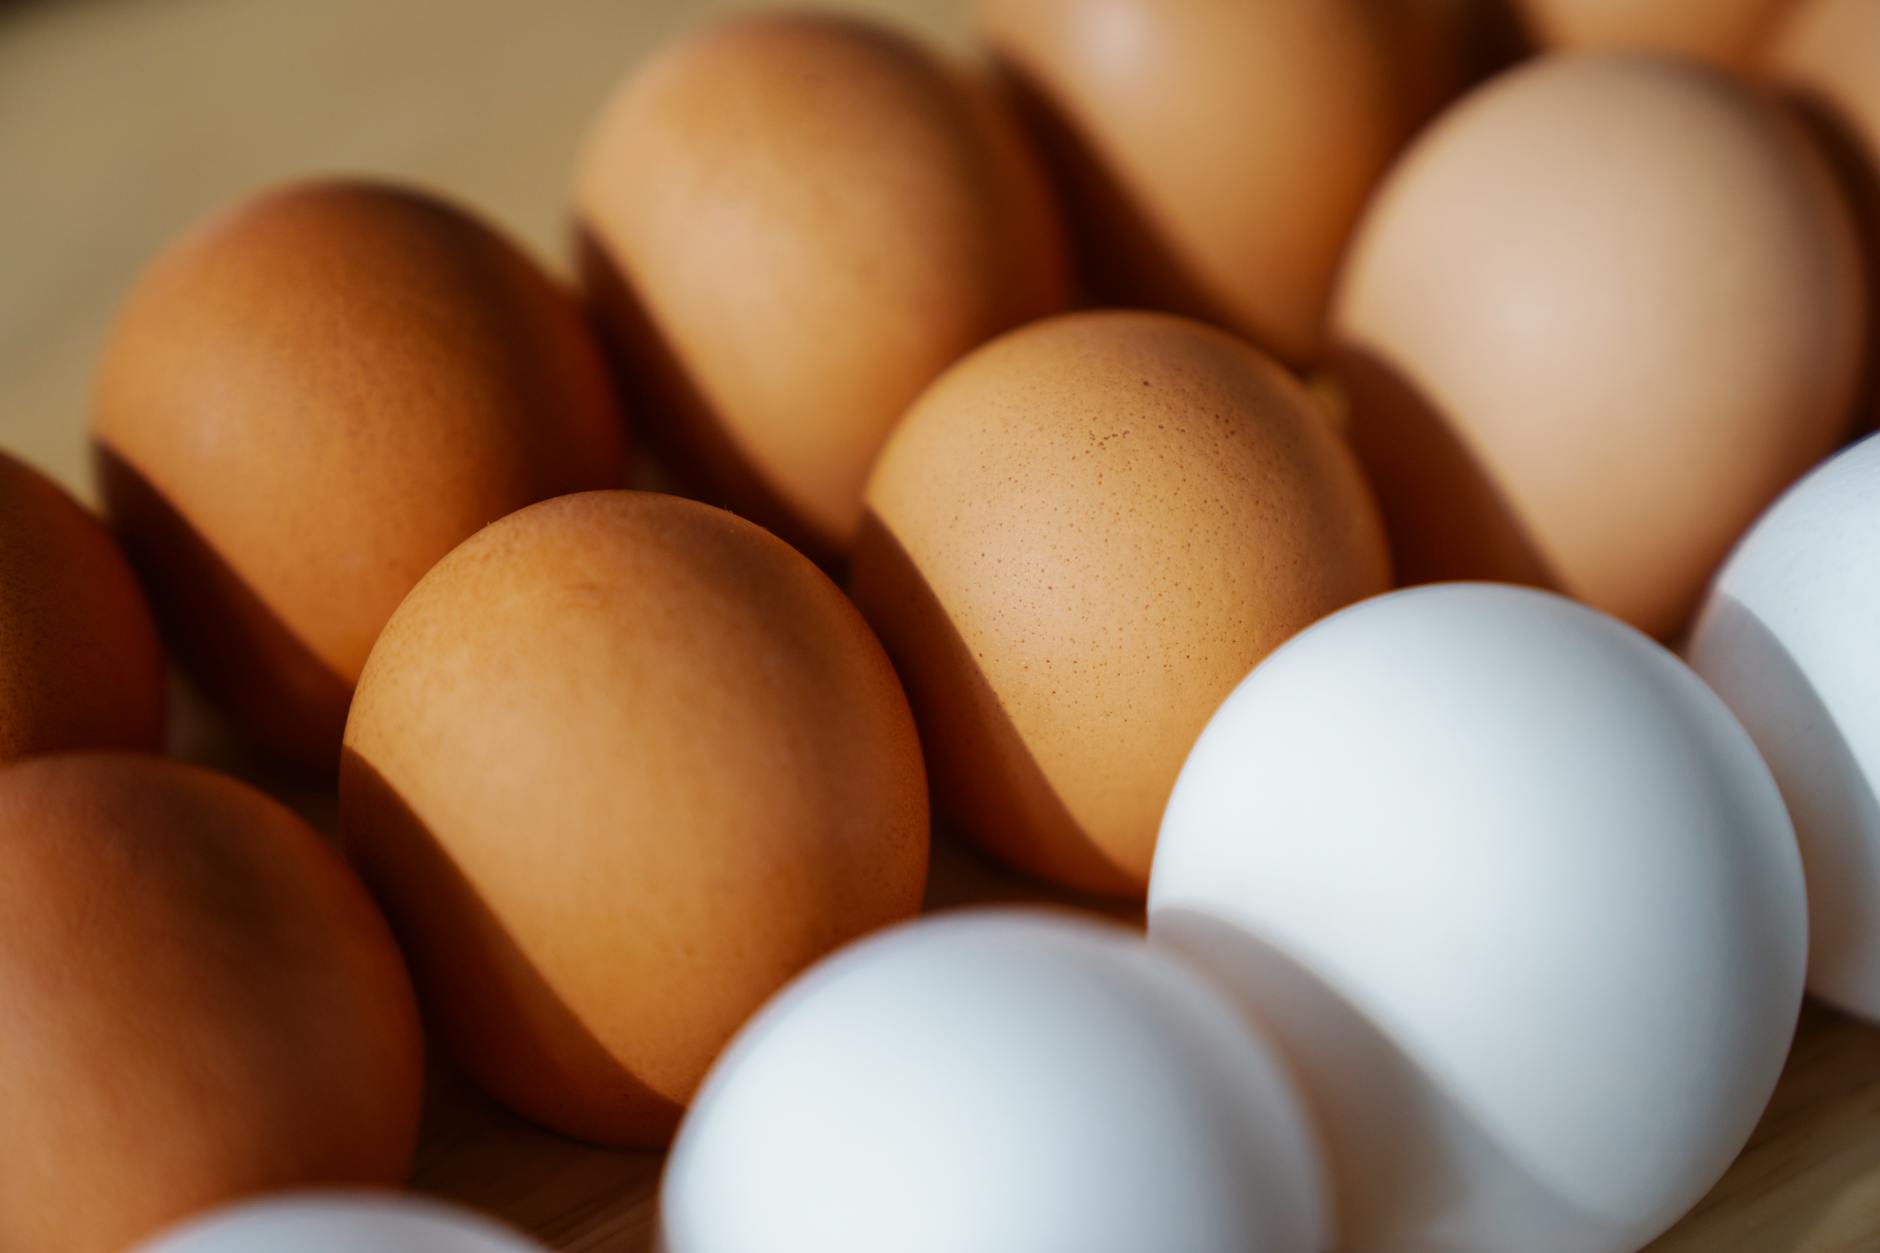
[
  {"x": 306, "y": 402},
  {"x": 791, "y": 223},
  {"x": 1078, "y": 541},
  {"x": 1602, "y": 312},
  {"x": 79, "y": 662},
  {"x": 200, "y": 1003},
  {"x": 620, "y": 767}
]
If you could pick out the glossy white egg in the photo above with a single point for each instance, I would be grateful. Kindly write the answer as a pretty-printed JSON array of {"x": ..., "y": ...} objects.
[
  {"x": 1518, "y": 899},
  {"x": 314, "y": 1222},
  {"x": 999, "y": 1081},
  {"x": 1790, "y": 637}
]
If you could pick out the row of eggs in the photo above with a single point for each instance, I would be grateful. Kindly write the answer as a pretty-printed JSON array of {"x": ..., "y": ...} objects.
[{"x": 1628, "y": 283}]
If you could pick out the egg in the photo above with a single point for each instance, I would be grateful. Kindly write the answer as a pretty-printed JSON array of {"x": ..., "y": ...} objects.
[
  {"x": 619, "y": 767},
  {"x": 1598, "y": 392},
  {"x": 316, "y": 1222},
  {"x": 1077, "y": 542},
  {"x": 1517, "y": 897},
  {"x": 1216, "y": 153},
  {"x": 1727, "y": 33},
  {"x": 308, "y": 400},
  {"x": 1787, "y": 637},
  {"x": 79, "y": 662},
  {"x": 202, "y": 1003},
  {"x": 791, "y": 223},
  {"x": 1002, "y": 1079}
]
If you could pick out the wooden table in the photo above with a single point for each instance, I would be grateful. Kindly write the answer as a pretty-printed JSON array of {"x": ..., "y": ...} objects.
[{"x": 122, "y": 120}]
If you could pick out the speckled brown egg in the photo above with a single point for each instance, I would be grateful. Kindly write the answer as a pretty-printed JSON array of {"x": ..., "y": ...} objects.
[
  {"x": 1599, "y": 391},
  {"x": 792, "y": 223},
  {"x": 79, "y": 661},
  {"x": 619, "y": 767},
  {"x": 200, "y": 1003},
  {"x": 1216, "y": 153},
  {"x": 1727, "y": 33},
  {"x": 1078, "y": 540},
  {"x": 305, "y": 403}
]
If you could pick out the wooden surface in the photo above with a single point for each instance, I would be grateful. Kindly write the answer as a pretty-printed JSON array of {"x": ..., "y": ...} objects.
[{"x": 122, "y": 120}]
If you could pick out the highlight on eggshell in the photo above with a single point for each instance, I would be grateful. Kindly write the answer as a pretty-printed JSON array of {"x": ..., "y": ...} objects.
[
  {"x": 1077, "y": 542},
  {"x": 790, "y": 223},
  {"x": 305, "y": 402},
  {"x": 619, "y": 767},
  {"x": 1601, "y": 313},
  {"x": 80, "y": 666},
  {"x": 1517, "y": 898},
  {"x": 340, "y": 1222},
  {"x": 1788, "y": 637},
  {"x": 202, "y": 1003},
  {"x": 996, "y": 1079}
]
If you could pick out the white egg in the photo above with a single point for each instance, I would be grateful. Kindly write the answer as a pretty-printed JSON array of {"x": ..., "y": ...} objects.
[
  {"x": 1790, "y": 636},
  {"x": 1517, "y": 897},
  {"x": 998, "y": 1081},
  {"x": 316, "y": 1222}
]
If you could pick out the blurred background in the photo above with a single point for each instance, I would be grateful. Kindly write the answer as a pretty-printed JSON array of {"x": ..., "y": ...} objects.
[{"x": 122, "y": 121}]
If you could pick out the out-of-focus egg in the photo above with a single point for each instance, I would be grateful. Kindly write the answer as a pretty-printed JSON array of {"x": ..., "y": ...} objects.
[
  {"x": 1077, "y": 542},
  {"x": 1790, "y": 637},
  {"x": 620, "y": 766},
  {"x": 791, "y": 223},
  {"x": 309, "y": 400},
  {"x": 1216, "y": 153},
  {"x": 1598, "y": 391},
  {"x": 201, "y": 1003},
  {"x": 79, "y": 661},
  {"x": 1519, "y": 899},
  {"x": 315, "y": 1222},
  {"x": 996, "y": 1080},
  {"x": 1728, "y": 33}
]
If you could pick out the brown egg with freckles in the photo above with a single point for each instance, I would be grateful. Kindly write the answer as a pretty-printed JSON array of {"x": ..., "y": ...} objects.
[
  {"x": 305, "y": 403},
  {"x": 790, "y": 224},
  {"x": 620, "y": 767},
  {"x": 201, "y": 1004},
  {"x": 1078, "y": 541},
  {"x": 79, "y": 662}
]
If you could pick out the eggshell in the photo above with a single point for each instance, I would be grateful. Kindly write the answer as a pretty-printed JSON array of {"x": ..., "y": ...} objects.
[
  {"x": 1216, "y": 153},
  {"x": 340, "y": 1222},
  {"x": 305, "y": 403},
  {"x": 1077, "y": 543},
  {"x": 1788, "y": 637},
  {"x": 79, "y": 661},
  {"x": 620, "y": 766},
  {"x": 995, "y": 1080},
  {"x": 1598, "y": 391},
  {"x": 1727, "y": 33},
  {"x": 792, "y": 223},
  {"x": 1519, "y": 899},
  {"x": 201, "y": 1003}
]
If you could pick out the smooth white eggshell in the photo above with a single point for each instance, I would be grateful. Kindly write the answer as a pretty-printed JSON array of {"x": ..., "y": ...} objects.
[
  {"x": 1002, "y": 1080},
  {"x": 314, "y": 1222},
  {"x": 1790, "y": 637},
  {"x": 1519, "y": 900}
]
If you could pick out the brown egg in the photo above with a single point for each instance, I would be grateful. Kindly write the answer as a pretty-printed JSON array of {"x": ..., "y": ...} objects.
[
  {"x": 1826, "y": 56},
  {"x": 305, "y": 403},
  {"x": 1078, "y": 541},
  {"x": 200, "y": 1003},
  {"x": 1723, "y": 32},
  {"x": 79, "y": 662},
  {"x": 791, "y": 224},
  {"x": 619, "y": 767},
  {"x": 1216, "y": 153},
  {"x": 1601, "y": 314}
]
